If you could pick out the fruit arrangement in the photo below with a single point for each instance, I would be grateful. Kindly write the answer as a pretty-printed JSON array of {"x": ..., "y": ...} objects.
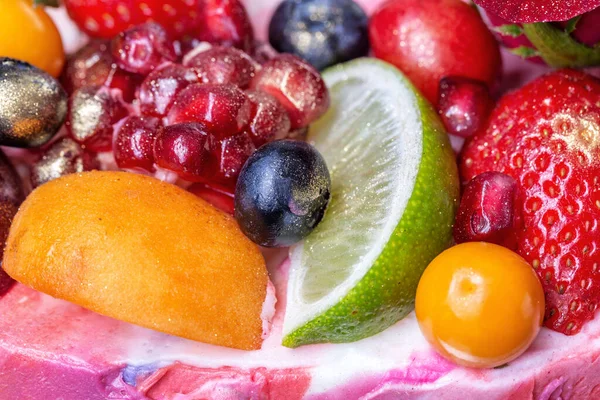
[{"x": 174, "y": 145}]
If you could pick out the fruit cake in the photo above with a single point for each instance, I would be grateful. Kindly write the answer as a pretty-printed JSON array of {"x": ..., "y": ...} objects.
[{"x": 299, "y": 199}]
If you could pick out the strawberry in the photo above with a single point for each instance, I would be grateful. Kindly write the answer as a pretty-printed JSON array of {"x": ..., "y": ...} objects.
[
  {"x": 538, "y": 10},
  {"x": 217, "y": 21},
  {"x": 546, "y": 135}
]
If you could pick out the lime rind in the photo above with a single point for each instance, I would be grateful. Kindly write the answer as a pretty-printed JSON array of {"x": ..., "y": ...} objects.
[{"x": 415, "y": 224}]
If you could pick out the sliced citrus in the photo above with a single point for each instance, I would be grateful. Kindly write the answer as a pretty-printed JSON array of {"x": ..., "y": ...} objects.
[{"x": 394, "y": 195}]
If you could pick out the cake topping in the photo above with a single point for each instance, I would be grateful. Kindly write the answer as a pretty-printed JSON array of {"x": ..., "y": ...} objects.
[
  {"x": 282, "y": 193},
  {"x": 323, "y": 32},
  {"x": 480, "y": 305},
  {"x": 544, "y": 135},
  {"x": 33, "y": 105}
]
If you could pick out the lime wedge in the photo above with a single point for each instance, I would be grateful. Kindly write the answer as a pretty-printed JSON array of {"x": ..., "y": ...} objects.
[{"x": 394, "y": 194}]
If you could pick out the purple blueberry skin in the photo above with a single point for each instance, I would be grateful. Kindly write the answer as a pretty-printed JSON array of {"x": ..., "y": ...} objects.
[
  {"x": 323, "y": 32},
  {"x": 282, "y": 193}
]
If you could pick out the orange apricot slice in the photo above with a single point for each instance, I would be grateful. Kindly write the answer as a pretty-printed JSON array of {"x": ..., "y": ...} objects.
[{"x": 140, "y": 250}]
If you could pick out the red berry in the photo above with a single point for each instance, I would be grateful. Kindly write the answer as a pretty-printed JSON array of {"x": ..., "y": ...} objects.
[
  {"x": 221, "y": 199},
  {"x": 61, "y": 158},
  {"x": 224, "y": 65},
  {"x": 157, "y": 92},
  {"x": 489, "y": 211},
  {"x": 93, "y": 65},
  {"x": 225, "y": 22},
  {"x": 223, "y": 109},
  {"x": 229, "y": 156},
  {"x": 268, "y": 119},
  {"x": 6, "y": 282},
  {"x": 107, "y": 18},
  {"x": 545, "y": 135},
  {"x": 464, "y": 105},
  {"x": 92, "y": 114},
  {"x": 134, "y": 146},
  {"x": 143, "y": 48},
  {"x": 183, "y": 149},
  {"x": 298, "y": 87},
  {"x": 432, "y": 39}
]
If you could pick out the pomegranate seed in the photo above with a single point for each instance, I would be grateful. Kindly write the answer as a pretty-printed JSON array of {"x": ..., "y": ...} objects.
[
  {"x": 134, "y": 146},
  {"x": 464, "y": 105},
  {"x": 63, "y": 157},
  {"x": 143, "y": 48},
  {"x": 226, "y": 22},
  {"x": 228, "y": 158},
  {"x": 224, "y": 65},
  {"x": 182, "y": 148},
  {"x": 488, "y": 211},
  {"x": 223, "y": 109},
  {"x": 264, "y": 52},
  {"x": 157, "y": 92},
  {"x": 92, "y": 114},
  {"x": 220, "y": 199},
  {"x": 93, "y": 65},
  {"x": 6, "y": 282},
  {"x": 268, "y": 119},
  {"x": 298, "y": 87}
]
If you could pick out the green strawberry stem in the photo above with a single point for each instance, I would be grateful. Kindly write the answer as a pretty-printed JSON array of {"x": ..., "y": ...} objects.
[{"x": 558, "y": 48}]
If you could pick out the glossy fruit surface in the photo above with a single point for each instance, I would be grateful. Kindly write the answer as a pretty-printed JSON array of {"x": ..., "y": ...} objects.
[
  {"x": 282, "y": 193},
  {"x": 222, "y": 64},
  {"x": 268, "y": 118},
  {"x": 296, "y": 85},
  {"x": 223, "y": 109},
  {"x": 183, "y": 149},
  {"x": 92, "y": 113},
  {"x": 489, "y": 211},
  {"x": 228, "y": 158},
  {"x": 28, "y": 34},
  {"x": 214, "y": 195},
  {"x": 11, "y": 196},
  {"x": 394, "y": 190},
  {"x": 63, "y": 157},
  {"x": 464, "y": 105},
  {"x": 538, "y": 10},
  {"x": 479, "y": 305},
  {"x": 545, "y": 136},
  {"x": 107, "y": 18},
  {"x": 33, "y": 104},
  {"x": 142, "y": 48},
  {"x": 225, "y": 22},
  {"x": 323, "y": 32},
  {"x": 93, "y": 65},
  {"x": 167, "y": 259},
  {"x": 158, "y": 91},
  {"x": 134, "y": 144},
  {"x": 431, "y": 39}
]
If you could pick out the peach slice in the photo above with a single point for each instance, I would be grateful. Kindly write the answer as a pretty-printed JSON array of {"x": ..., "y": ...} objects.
[{"x": 143, "y": 251}]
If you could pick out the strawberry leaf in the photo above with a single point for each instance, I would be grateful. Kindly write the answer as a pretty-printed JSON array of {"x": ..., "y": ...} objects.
[
  {"x": 512, "y": 30},
  {"x": 528, "y": 11},
  {"x": 572, "y": 24},
  {"x": 558, "y": 48},
  {"x": 525, "y": 52}
]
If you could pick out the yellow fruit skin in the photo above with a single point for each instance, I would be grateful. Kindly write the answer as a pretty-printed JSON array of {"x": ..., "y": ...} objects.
[
  {"x": 143, "y": 251},
  {"x": 480, "y": 305},
  {"x": 27, "y": 33}
]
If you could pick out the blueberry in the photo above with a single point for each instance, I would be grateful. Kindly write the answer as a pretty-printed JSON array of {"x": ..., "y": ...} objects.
[
  {"x": 324, "y": 32},
  {"x": 282, "y": 193}
]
